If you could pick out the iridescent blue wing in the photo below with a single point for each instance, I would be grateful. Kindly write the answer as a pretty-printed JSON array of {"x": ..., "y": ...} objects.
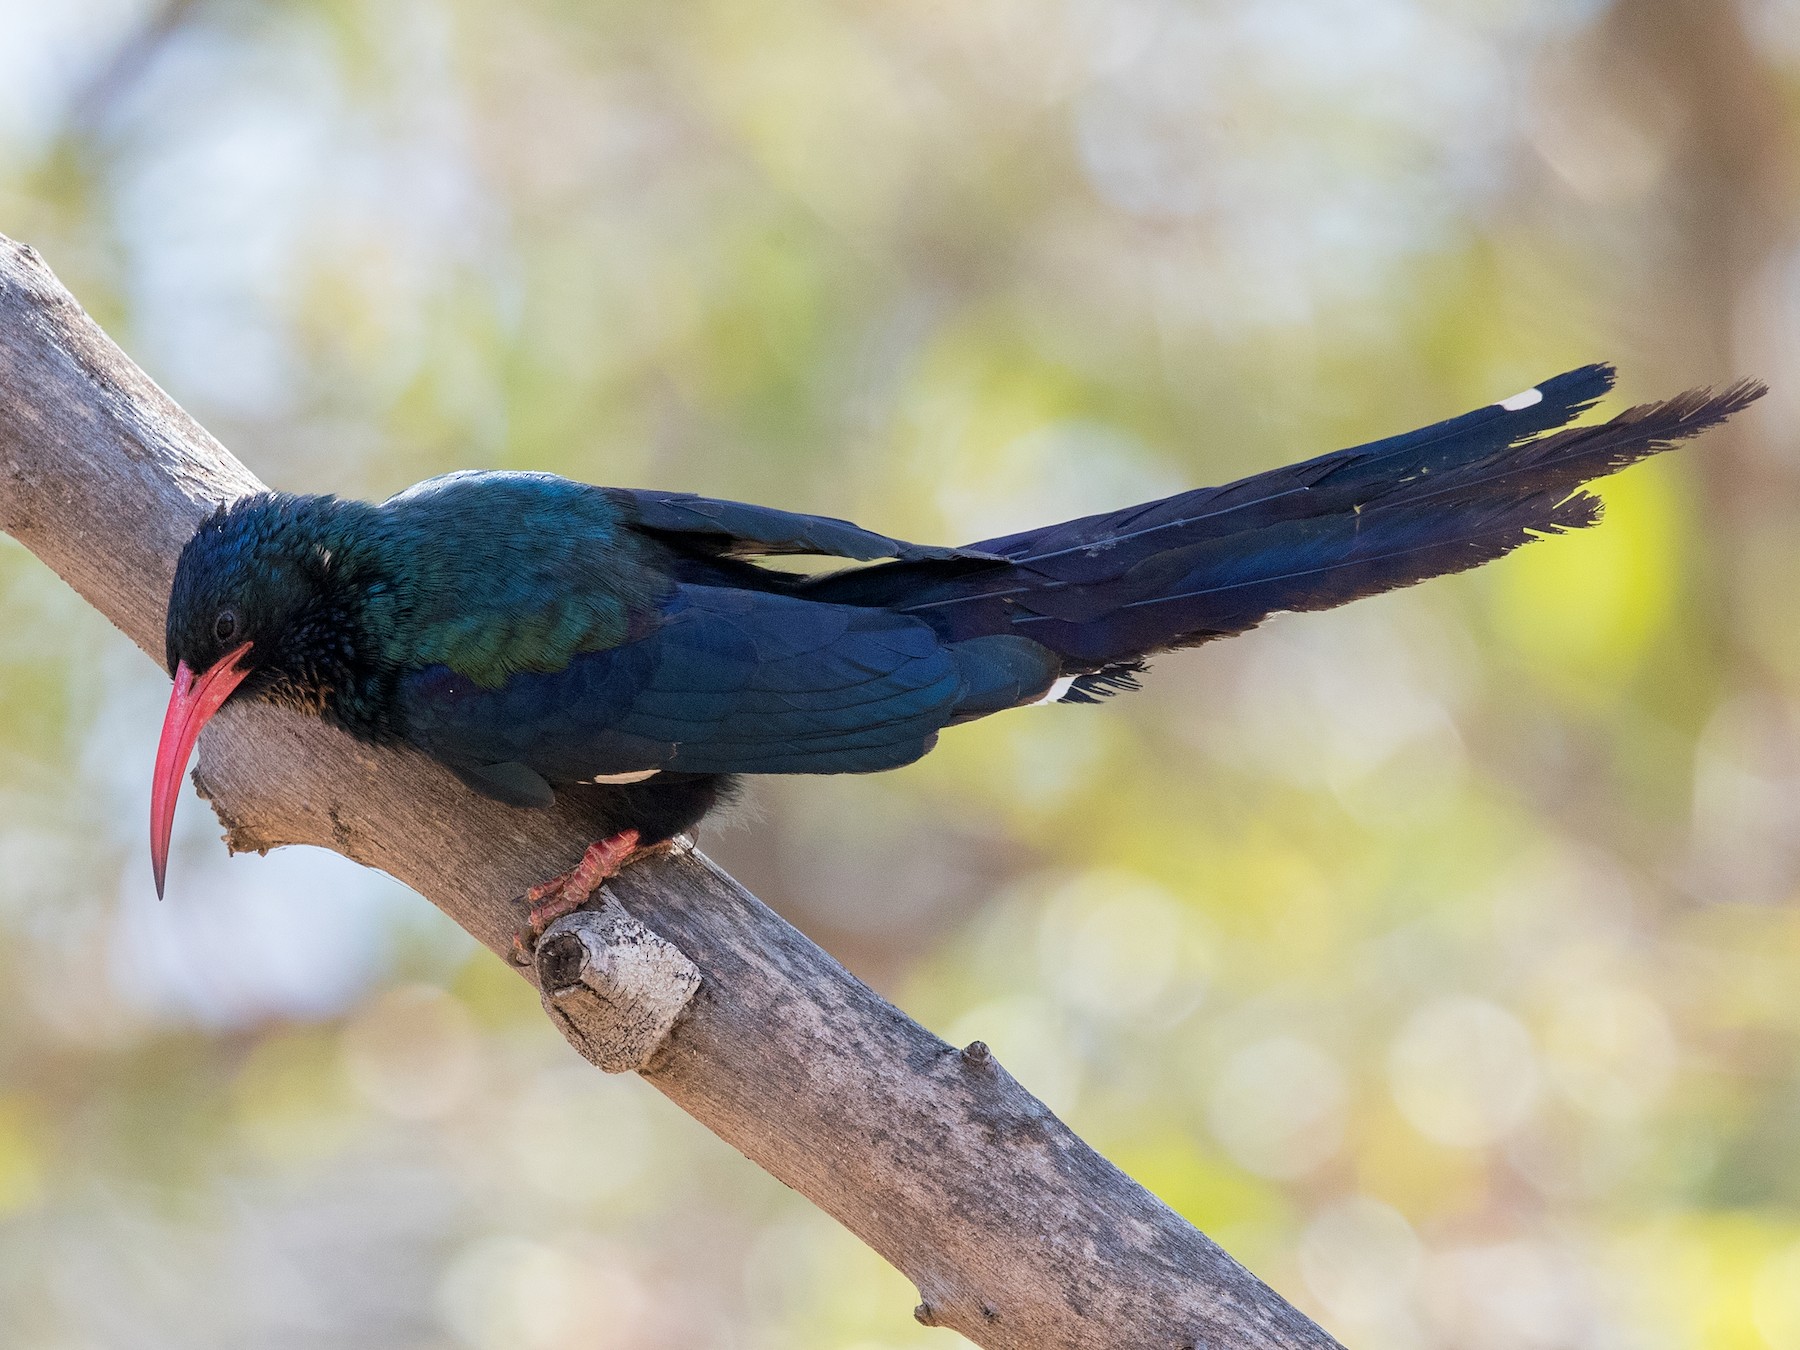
[
  {"x": 743, "y": 530},
  {"x": 728, "y": 681}
]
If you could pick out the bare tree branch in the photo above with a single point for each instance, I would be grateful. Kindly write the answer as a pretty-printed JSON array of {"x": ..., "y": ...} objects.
[{"x": 1015, "y": 1232}]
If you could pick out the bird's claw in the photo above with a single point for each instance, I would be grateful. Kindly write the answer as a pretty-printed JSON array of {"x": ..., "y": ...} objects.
[{"x": 551, "y": 900}]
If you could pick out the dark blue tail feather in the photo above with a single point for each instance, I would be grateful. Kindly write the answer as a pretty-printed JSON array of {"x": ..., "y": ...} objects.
[{"x": 1105, "y": 591}]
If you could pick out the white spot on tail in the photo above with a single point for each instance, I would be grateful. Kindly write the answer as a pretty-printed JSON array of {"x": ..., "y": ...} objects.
[
  {"x": 1056, "y": 693},
  {"x": 637, "y": 777},
  {"x": 1519, "y": 402}
]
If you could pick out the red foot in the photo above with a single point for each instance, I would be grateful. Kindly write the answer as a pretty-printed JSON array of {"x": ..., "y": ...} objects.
[{"x": 552, "y": 899}]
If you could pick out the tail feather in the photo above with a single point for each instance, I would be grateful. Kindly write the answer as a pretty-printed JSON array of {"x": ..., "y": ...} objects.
[
  {"x": 1313, "y": 487},
  {"x": 1412, "y": 528},
  {"x": 1104, "y": 591}
]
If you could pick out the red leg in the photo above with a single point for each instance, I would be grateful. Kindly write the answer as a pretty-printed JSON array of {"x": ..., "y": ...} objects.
[{"x": 552, "y": 899}]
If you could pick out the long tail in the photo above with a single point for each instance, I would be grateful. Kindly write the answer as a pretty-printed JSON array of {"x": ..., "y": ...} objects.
[{"x": 1105, "y": 591}]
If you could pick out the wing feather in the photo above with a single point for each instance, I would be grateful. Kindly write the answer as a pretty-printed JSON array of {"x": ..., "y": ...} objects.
[{"x": 728, "y": 681}]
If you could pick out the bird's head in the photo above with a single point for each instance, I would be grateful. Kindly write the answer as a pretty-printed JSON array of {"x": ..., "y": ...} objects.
[{"x": 257, "y": 610}]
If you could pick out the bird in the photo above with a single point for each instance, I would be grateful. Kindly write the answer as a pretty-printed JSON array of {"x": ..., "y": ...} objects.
[{"x": 642, "y": 650}]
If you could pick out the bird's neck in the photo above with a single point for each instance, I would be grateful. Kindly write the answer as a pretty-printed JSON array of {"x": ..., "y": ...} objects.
[{"x": 339, "y": 660}]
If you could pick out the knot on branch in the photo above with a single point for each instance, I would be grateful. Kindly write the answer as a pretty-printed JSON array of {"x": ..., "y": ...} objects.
[{"x": 615, "y": 988}]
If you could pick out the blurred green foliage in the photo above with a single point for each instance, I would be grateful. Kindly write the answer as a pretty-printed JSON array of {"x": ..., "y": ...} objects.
[{"x": 1439, "y": 956}]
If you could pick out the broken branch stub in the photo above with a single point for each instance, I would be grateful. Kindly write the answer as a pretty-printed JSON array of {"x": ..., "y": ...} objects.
[{"x": 612, "y": 987}]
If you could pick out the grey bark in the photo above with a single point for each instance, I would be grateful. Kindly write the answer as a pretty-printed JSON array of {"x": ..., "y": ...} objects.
[
  {"x": 612, "y": 986},
  {"x": 1015, "y": 1232}
]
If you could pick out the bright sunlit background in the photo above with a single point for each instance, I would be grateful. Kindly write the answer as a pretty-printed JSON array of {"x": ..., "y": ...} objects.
[{"x": 1440, "y": 956}]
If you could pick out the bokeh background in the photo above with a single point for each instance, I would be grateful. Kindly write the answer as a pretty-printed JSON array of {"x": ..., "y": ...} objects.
[{"x": 1441, "y": 956}]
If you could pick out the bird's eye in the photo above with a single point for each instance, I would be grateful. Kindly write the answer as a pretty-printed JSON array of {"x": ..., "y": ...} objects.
[{"x": 226, "y": 625}]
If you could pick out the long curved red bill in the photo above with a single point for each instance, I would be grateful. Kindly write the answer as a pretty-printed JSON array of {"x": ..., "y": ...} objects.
[{"x": 191, "y": 706}]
